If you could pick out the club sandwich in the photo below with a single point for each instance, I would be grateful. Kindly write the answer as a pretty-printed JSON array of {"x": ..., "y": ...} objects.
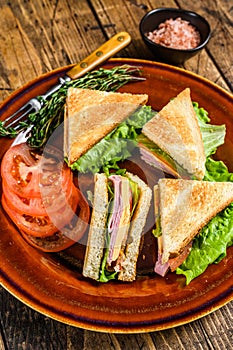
[
  {"x": 172, "y": 139},
  {"x": 182, "y": 209},
  {"x": 120, "y": 208}
]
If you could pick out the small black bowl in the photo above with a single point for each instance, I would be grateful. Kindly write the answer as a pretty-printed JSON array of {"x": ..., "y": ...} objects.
[{"x": 166, "y": 54}]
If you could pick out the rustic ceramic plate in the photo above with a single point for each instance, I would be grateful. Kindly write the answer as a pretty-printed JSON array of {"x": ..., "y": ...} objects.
[{"x": 53, "y": 285}]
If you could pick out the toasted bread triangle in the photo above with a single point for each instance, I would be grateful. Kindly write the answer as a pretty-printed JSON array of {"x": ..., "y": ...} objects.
[
  {"x": 90, "y": 115},
  {"x": 176, "y": 131},
  {"x": 186, "y": 206}
]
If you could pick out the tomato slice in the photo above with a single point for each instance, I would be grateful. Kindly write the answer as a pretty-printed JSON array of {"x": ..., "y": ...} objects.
[
  {"x": 176, "y": 262},
  {"x": 29, "y": 174},
  {"x": 63, "y": 240},
  {"x": 30, "y": 206},
  {"x": 33, "y": 225},
  {"x": 43, "y": 225},
  {"x": 40, "y": 197},
  {"x": 36, "y": 206}
]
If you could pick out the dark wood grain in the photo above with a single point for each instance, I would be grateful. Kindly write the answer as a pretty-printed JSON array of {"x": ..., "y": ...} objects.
[
  {"x": 23, "y": 326},
  {"x": 133, "y": 12},
  {"x": 219, "y": 14},
  {"x": 38, "y": 36}
]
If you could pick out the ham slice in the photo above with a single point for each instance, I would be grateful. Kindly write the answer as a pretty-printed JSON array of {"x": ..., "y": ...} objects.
[
  {"x": 160, "y": 268},
  {"x": 154, "y": 160},
  {"x": 120, "y": 219},
  {"x": 172, "y": 264}
]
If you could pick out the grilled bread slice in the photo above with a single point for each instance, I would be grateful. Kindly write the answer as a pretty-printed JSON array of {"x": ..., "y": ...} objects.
[
  {"x": 176, "y": 131},
  {"x": 97, "y": 232},
  {"x": 185, "y": 207},
  {"x": 90, "y": 115}
]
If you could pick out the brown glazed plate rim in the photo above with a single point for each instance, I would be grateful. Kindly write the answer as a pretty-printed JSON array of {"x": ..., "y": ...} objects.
[{"x": 150, "y": 303}]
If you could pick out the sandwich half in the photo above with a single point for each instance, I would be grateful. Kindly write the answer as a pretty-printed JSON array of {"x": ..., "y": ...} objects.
[
  {"x": 90, "y": 115},
  {"x": 172, "y": 139},
  {"x": 120, "y": 209},
  {"x": 182, "y": 209}
]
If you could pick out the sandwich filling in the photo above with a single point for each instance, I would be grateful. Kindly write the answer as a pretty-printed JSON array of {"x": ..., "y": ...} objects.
[
  {"x": 123, "y": 198},
  {"x": 118, "y": 221},
  {"x": 155, "y": 156}
]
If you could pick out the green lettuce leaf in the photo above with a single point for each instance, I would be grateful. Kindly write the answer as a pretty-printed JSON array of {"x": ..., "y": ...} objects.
[
  {"x": 135, "y": 194},
  {"x": 116, "y": 146},
  {"x": 212, "y": 135},
  {"x": 216, "y": 170},
  {"x": 106, "y": 153},
  {"x": 209, "y": 246},
  {"x": 106, "y": 275},
  {"x": 211, "y": 243}
]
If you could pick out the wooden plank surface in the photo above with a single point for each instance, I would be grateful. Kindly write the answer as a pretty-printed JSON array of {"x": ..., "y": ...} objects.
[
  {"x": 38, "y": 38},
  {"x": 40, "y": 35},
  {"x": 25, "y": 327}
]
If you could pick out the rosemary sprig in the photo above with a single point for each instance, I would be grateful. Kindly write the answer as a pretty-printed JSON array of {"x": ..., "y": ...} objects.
[
  {"x": 50, "y": 116},
  {"x": 7, "y": 132}
]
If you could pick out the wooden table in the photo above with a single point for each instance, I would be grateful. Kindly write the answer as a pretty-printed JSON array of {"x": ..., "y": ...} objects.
[{"x": 40, "y": 35}]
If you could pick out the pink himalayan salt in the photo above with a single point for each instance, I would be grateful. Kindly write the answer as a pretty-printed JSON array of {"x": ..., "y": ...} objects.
[{"x": 176, "y": 33}]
